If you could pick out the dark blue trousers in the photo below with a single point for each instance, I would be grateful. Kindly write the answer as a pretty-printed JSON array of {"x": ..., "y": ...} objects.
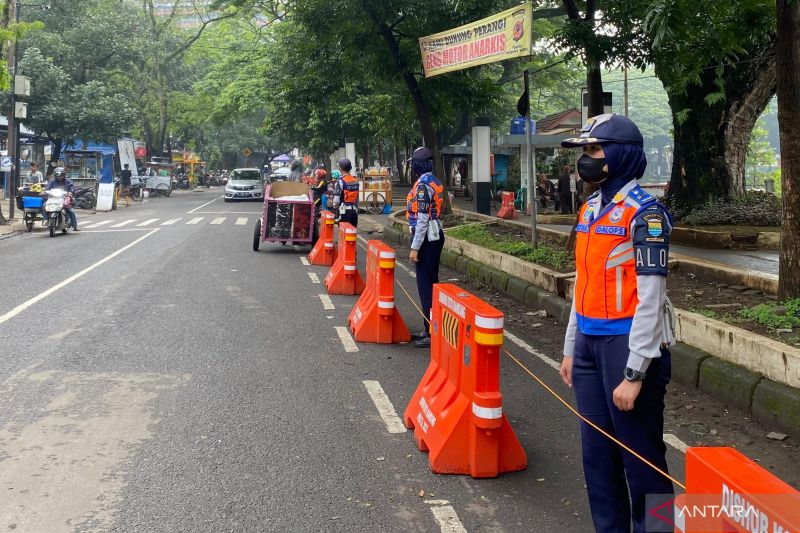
[
  {"x": 618, "y": 482},
  {"x": 427, "y": 268}
]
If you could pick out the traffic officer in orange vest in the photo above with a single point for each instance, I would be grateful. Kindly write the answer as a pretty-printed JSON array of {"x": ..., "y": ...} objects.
[
  {"x": 345, "y": 194},
  {"x": 615, "y": 350},
  {"x": 423, "y": 210}
]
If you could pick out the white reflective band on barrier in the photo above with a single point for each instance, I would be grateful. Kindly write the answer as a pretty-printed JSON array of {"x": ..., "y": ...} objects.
[
  {"x": 489, "y": 323},
  {"x": 348, "y": 230},
  {"x": 385, "y": 305},
  {"x": 387, "y": 255},
  {"x": 328, "y": 245},
  {"x": 349, "y": 267},
  {"x": 491, "y": 413}
]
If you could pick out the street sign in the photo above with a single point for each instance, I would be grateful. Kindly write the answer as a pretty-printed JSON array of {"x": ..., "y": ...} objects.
[
  {"x": 5, "y": 164},
  {"x": 105, "y": 196},
  {"x": 247, "y": 152}
]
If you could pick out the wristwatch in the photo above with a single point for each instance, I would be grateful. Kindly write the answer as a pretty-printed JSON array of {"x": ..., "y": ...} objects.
[{"x": 634, "y": 375}]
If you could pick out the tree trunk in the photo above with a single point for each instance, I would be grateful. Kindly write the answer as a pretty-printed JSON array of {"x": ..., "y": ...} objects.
[
  {"x": 55, "y": 155},
  {"x": 594, "y": 86},
  {"x": 788, "y": 68}
]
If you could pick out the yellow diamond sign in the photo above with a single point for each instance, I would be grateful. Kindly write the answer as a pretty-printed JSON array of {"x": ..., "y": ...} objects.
[{"x": 247, "y": 152}]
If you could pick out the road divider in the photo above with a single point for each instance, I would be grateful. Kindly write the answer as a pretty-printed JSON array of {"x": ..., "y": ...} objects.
[
  {"x": 343, "y": 277},
  {"x": 324, "y": 252}
]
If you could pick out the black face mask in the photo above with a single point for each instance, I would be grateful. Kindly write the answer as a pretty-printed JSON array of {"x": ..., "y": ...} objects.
[{"x": 591, "y": 170}]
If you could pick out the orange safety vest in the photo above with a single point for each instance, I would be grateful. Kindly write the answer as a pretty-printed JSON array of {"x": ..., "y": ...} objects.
[
  {"x": 412, "y": 207},
  {"x": 350, "y": 188},
  {"x": 605, "y": 288}
]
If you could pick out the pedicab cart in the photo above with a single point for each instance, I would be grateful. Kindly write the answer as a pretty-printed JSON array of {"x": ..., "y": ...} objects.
[
  {"x": 159, "y": 184},
  {"x": 30, "y": 199},
  {"x": 375, "y": 193},
  {"x": 288, "y": 215}
]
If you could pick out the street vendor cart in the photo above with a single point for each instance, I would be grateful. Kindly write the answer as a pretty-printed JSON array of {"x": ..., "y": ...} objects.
[
  {"x": 288, "y": 215},
  {"x": 30, "y": 200},
  {"x": 375, "y": 194}
]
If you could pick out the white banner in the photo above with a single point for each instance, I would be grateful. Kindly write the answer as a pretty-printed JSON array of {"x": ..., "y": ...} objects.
[
  {"x": 105, "y": 196},
  {"x": 127, "y": 155}
]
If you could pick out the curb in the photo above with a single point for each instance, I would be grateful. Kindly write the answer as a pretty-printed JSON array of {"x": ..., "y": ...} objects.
[{"x": 768, "y": 401}]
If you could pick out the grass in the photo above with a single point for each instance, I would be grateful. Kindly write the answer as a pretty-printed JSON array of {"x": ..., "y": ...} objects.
[
  {"x": 773, "y": 315},
  {"x": 544, "y": 254}
]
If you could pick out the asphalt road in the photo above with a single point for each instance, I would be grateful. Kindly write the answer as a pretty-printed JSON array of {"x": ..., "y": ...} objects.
[{"x": 158, "y": 375}]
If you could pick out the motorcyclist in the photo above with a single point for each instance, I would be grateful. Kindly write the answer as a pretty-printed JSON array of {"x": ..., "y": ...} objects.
[
  {"x": 60, "y": 181},
  {"x": 296, "y": 168},
  {"x": 319, "y": 189}
]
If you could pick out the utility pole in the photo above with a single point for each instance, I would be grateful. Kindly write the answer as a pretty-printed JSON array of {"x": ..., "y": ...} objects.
[
  {"x": 12, "y": 146},
  {"x": 531, "y": 180}
]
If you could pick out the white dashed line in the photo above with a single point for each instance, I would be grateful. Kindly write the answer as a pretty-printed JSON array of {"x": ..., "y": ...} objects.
[
  {"x": 170, "y": 221},
  {"x": 385, "y": 407},
  {"x": 146, "y": 222},
  {"x": 446, "y": 516},
  {"x": 314, "y": 277},
  {"x": 241, "y": 221},
  {"x": 123, "y": 223},
  {"x": 218, "y": 220},
  {"x": 675, "y": 442},
  {"x": 530, "y": 349},
  {"x": 98, "y": 224},
  {"x": 327, "y": 303},
  {"x": 347, "y": 341},
  {"x": 195, "y": 220},
  {"x": 304, "y": 260}
]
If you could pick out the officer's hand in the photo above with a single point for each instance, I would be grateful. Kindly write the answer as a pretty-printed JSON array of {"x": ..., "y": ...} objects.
[
  {"x": 566, "y": 370},
  {"x": 413, "y": 256},
  {"x": 625, "y": 394}
]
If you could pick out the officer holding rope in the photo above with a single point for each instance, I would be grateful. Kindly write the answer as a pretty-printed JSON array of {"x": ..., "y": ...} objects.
[{"x": 615, "y": 350}]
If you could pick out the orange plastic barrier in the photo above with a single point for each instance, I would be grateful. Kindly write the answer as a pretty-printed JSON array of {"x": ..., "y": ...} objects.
[
  {"x": 324, "y": 252},
  {"x": 728, "y": 492},
  {"x": 343, "y": 277},
  {"x": 457, "y": 410},
  {"x": 374, "y": 317},
  {"x": 507, "y": 209}
]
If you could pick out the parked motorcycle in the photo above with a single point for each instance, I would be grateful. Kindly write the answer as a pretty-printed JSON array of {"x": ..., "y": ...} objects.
[
  {"x": 85, "y": 198},
  {"x": 56, "y": 209}
]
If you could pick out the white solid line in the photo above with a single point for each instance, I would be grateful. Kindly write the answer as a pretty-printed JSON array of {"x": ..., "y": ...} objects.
[
  {"x": 347, "y": 341},
  {"x": 218, "y": 220},
  {"x": 227, "y": 213},
  {"x": 123, "y": 223},
  {"x": 327, "y": 303},
  {"x": 41, "y": 296},
  {"x": 195, "y": 220},
  {"x": 113, "y": 230},
  {"x": 675, "y": 442},
  {"x": 170, "y": 221},
  {"x": 314, "y": 277},
  {"x": 98, "y": 224},
  {"x": 202, "y": 206},
  {"x": 447, "y": 519},
  {"x": 304, "y": 260},
  {"x": 525, "y": 346},
  {"x": 241, "y": 221},
  {"x": 396, "y": 263},
  {"x": 145, "y": 223},
  {"x": 385, "y": 407}
]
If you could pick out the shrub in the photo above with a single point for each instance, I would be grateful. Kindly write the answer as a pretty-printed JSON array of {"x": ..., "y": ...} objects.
[
  {"x": 755, "y": 208},
  {"x": 772, "y": 315}
]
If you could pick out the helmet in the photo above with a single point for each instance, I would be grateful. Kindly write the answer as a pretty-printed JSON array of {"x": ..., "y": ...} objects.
[
  {"x": 345, "y": 164},
  {"x": 422, "y": 154},
  {"x": 59, "y": 172},
  {"x": 336, "y": 174},
  {"x": 321, "y": 173}
]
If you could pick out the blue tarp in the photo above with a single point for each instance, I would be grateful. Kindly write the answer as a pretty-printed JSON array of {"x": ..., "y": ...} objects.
[{"x": 107, "y": 152}]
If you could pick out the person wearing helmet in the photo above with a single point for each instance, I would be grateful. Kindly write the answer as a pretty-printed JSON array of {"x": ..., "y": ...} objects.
[
  {"x": 423, "y": 211},
  {"x": 336, "y": 174},
  {"x": 319, "y": 189},
  {"x": 615, "y": 349},
  {"x": 60, "y": 181},
  {"x": 345, "y": 194},
  {"x": 296, "y": 168}
]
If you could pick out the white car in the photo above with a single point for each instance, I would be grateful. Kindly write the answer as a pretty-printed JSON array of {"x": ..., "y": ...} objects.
[{"x": 244, "y": 184}]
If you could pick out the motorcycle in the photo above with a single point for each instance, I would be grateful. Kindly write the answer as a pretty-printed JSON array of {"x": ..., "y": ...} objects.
[
  {"x": 55, "y": 207},
  {"x": 85, "y": 198}
]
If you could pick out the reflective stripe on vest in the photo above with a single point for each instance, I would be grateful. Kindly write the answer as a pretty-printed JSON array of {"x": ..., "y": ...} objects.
[
  {"x": 350, "y": 188},
  {"x": 605, "y": 288},
  {"x": 411, "y": 198}
]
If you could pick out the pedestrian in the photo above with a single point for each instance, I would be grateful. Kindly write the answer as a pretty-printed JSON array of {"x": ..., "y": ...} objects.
[
  {"x": 423, "y": 210},
  {"x": 345, "y": 194},
  {"x": 565, "y": 190},
  {"x": 615, "y": 349},
  {"x": 36, "y": 174},
  {"x": 296, "y": 171},
  {"x": 125, "y": 182},
  {"x": 545, "y": 191},
  {"x": 60, "y": 181}
]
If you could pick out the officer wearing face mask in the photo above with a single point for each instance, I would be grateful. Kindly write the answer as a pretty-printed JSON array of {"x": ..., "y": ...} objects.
[{"x": 615, "y": 350}]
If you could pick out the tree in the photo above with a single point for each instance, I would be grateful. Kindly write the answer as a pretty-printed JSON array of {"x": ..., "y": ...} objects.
[
  {"x": 759, "y": 155},
  {"x": 788, "y": 68}
]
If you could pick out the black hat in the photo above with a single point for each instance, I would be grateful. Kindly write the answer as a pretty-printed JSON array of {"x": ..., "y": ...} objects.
[
  {"x": 607, "y": 128},
  {"x": 422, "y": 154},
  {"x": 345, "y": 164}
]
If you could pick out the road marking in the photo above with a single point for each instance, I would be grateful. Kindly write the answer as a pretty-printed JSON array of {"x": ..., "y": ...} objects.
[
  {"x": 123, "y": 223},
  {"x": 226, "y": 213},
  {"x": 446, "y": 516},
  {"x": 146, "y": 222},
  {"x": 397, "y": 263},
  {"x": 385, "y": 407},
  {"x": 241, "y": 221},
  {"x": 530, "y": 349},
  {"x": 113, "y": 230},
  {"x": 304, "y": 260},
  {"x": 675, "y": 442},
  {"x": 41, "y": 296},
  {"x": 218, "y": 220},
  {"x": 196, "y": 220},
  {"x": 314, "y": 277},
  {"x": 202, "y": 206},
  {"x": 98, "y": 224},
  {"x": 170, "y": 222},
  {"x": 327, "y": 303},
  {"x": 347, "y": 341}
]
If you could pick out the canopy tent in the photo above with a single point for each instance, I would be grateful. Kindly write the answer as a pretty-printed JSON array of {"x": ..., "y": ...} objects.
[{"x": 283, "y": 158}]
